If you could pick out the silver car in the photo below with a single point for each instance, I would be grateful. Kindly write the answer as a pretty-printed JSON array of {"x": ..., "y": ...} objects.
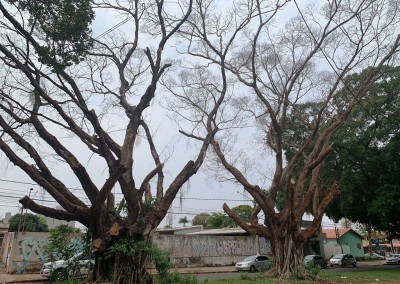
[
  {"x": 253, "y": 263},
  {"x": 343, "y": 260},
  {"x": 393, "y": 259}
]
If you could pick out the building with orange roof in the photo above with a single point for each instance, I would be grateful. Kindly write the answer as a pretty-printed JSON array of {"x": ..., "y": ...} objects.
[{"x": 342, "y": 240}]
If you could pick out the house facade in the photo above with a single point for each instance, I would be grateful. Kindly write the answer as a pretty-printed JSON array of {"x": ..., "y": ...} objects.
[{"x": 344, "y": 240}]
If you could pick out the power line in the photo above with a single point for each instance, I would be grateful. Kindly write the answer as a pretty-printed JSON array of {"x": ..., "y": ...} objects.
[
  {"x": 120, "y": 193},
  {"x": 114, "y": 27}
]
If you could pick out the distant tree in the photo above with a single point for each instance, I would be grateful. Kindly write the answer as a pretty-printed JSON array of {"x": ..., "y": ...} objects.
[
  {"x": 218, "y": 220},
  {"x": 243, "y": 212},
  {"x": 346, "y": 223},
  {"x": 28, "y": 223},
  {"x": 201, "y": 219},
  {"x": 184, "y": 221},
  {"x": 221, "y": 220}
]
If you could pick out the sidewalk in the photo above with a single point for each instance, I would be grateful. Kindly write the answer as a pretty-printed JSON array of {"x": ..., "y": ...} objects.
[{"x": 24, "y": 278}]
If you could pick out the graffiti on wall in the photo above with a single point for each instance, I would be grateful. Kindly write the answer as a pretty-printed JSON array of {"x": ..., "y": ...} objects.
[
  {"x": 30, "y": 246},
  {"x": 222, "y": 249},
  {"x": 31, "y": 251}
]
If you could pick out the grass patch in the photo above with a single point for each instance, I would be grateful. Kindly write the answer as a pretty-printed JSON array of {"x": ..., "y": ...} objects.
[
  {"x": 363, "y": 276},
  {"x": 389, "y": 276}
]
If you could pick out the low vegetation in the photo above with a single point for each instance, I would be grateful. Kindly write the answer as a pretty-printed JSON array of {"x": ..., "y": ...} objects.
[{"x": 387, "y": 276}]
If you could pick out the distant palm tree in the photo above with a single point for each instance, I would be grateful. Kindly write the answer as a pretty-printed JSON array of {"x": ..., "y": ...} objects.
[{"x": 183, "y": 221}]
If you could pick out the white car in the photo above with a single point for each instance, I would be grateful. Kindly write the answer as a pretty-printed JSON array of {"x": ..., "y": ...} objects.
[
  {"x": 79, "y": 265},
  {"x": 393, "y": 259}
]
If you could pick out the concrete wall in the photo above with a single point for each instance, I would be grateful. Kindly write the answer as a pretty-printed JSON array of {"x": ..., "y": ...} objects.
[
  {"x": 26, "y": 251},
  {"x": 331, "y": 247},
  {"x": 6, "y": 247},
  {"x": 199, "y": 250}
]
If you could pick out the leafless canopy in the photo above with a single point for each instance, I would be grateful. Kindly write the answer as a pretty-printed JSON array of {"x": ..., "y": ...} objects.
[
  {"x": 267, "y": 65},
  {"x": 71, "y": 115}
]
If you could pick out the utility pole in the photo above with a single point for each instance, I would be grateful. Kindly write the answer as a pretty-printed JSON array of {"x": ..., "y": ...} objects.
[{"x": 26, "y": 211}]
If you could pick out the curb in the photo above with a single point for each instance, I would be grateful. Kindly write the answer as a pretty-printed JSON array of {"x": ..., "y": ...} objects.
[{"x": 27, "y": 281}]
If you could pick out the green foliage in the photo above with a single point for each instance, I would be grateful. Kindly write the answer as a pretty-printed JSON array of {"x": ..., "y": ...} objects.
[
  {"x": 67, "y": 281},
  {"x": 133, "y": 251},
  {"x": 367, "y": 155},
  {"x": 312, "y": 271},
  {"x": 218, "y": 220},
  {"x": 221, "y": 220},
  {"x": 309, "y": 271},
  {"x": 176, "y": 278},
  {"x": 65, "y": 24},
  {"x": 136, "y": 249},
  {"x": 367, "y": 258},
  {"x": 201, "y": 219},
  {"x": 27, "y": 223},
  {"x": 244, "y": 213},
  {"x": 150, "y": 204},
  {"x": 59, "y": 244},
  {"x": 244, "y": 276}
]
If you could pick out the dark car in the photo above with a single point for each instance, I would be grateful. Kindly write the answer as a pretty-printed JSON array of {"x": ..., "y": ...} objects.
[
  {"x": 317, "y": 260},
  {"x": 343, "y": 260},
  {"x": 253, "y": 263}
]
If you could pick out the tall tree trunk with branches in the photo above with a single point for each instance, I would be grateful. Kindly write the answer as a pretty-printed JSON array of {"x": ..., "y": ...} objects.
[
  {"x": 279, "y": 79},
  {"x": 73, "y": 106}
]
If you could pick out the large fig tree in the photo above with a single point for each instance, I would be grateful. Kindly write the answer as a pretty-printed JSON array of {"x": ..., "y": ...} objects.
[
  {"x": 72, "y": 105},
  {"x": 269, "y": 59}
]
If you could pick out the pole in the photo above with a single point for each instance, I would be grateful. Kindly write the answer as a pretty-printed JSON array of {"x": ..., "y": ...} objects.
[{"x": 26, "y": 211}]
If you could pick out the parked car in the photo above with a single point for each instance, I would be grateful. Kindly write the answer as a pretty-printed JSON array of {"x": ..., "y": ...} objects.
[
  {"x": 393, "y": 259},
  {"x": 317, "y": 260},
  {"x": 80, "y": 265},
  {"x": 253, "y": 263},
  {"x": 343, "y": 260}
]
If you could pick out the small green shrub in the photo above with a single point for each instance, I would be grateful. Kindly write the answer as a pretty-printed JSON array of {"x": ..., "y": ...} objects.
[
  {"x": 309, "y": 271},
  {"x": 312, "y": 271},
  {"x": 367, "y": 258},
  {"x": 298, "y": 275},
  {"x": 244, "y": 276},
  {"x": 176, "y": 278}
]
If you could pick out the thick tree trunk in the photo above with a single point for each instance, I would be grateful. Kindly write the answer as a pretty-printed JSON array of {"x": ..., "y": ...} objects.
[
  {"x": 126, "y": 265},
  {"x": 369, "y": 232},
  {"x": 288, "y": 252}
]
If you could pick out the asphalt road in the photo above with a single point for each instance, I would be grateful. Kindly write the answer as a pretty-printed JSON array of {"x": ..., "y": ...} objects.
[{"x": 360, "y": 267}]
